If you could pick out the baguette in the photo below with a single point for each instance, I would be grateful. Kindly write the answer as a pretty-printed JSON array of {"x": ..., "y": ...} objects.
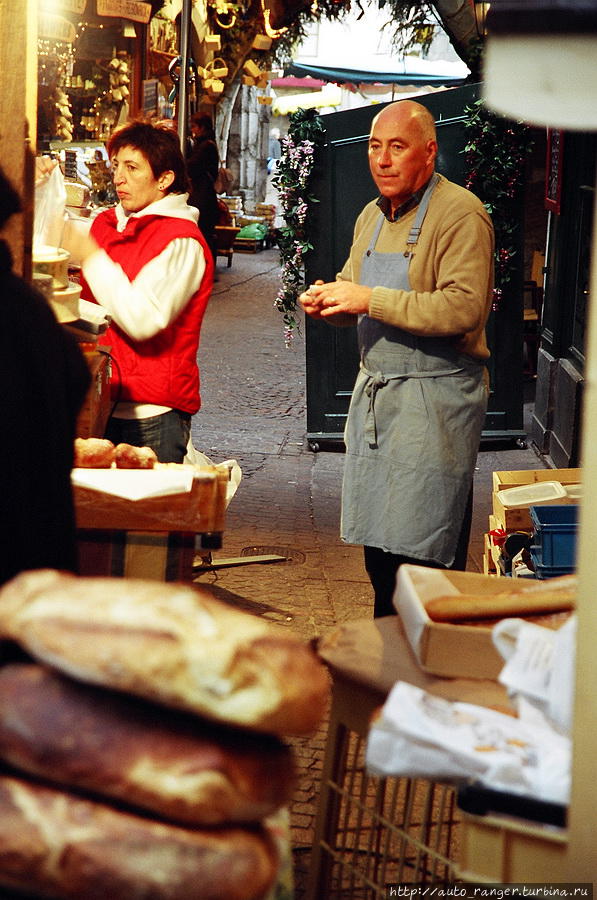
[
  {"x": 171, "y": 644},
  {"x": 456, "y": 608},
  {"x": 181, "y": 768},
  {"x": 58, "y": 845}
]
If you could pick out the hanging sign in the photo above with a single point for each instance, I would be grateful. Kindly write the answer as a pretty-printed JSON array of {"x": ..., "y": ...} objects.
[
  {"x": 66, "y": 6},
  {"x": 134, "y": 10},
  {"x": 56, "y": 28},
  {"x": 150, "y": 96},
  {"x": 553, "y": 170}
]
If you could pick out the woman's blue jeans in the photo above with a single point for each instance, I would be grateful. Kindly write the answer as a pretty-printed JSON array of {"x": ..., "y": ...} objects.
[{"x": 167, "y": 434}]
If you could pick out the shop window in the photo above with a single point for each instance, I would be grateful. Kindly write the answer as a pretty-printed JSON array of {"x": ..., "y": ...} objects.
[{"x": 86, "y": 75}]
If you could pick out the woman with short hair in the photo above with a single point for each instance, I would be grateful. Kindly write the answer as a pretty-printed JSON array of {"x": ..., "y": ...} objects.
[{"x": 147, "y": 263}]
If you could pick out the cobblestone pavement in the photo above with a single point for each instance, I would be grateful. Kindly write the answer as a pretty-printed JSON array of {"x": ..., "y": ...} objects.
[{"x": 288, "y": 502}]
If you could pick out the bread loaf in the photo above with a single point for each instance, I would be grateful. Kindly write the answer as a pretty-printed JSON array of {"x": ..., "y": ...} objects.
[
  {"x": 128, "y": 457},
  {"x": 182, "y": 768},
  {"x": 533, "y": 601},
  {"x": 172, "y": 644},
  {"x": 93, "y": 453},
  {"x": 57, "y": 845}
]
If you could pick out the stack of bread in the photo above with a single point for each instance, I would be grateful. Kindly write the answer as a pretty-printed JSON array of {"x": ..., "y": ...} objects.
[{"x": 141, "y": 739}]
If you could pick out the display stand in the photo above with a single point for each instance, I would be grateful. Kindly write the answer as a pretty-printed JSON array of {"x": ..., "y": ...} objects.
[{"x": 370, "y": 831}]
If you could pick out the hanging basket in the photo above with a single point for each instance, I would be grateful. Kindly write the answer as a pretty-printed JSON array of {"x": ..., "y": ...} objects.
[
  {"x": 224, "y": 22},
  {"x": 217, "y": 68}
]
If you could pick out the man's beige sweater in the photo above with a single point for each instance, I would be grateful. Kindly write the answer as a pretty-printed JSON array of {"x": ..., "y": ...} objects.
[{"x": 451, "y": 270}]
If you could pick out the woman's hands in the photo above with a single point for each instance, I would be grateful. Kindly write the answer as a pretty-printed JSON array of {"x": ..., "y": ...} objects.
[
  {"x": 323, "y": 300},
  {"x": 44, "y": 166},
  {"x": 77, "y": 240}
]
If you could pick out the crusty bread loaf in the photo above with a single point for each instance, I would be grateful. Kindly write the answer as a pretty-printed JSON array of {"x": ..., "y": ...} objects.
[
  {"x": 93, "y": 453},
  {"x": 173, "y": 644},
  {"x": 542, "y": 598},
  {"x": 58, "y": 845},
  {"x": 178, "y": 766},
  {"x": 128, "y": 457}
]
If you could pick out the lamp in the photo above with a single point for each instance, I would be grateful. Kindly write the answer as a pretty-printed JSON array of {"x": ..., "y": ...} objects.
[
  {"x": 481, "y": 8},
  {"x": 539, "y": 62}
]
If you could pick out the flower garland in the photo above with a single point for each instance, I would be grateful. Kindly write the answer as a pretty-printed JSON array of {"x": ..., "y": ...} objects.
[
  {"x": 495, "y": 154},
  {"x": 295, "y": 167}
]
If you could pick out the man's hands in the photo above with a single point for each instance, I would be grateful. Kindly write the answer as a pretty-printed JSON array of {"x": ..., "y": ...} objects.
[{"x": 321, "y": 301}]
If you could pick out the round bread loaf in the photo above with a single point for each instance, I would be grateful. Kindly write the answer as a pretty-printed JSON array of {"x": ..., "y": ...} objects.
[
  {"x": 128, "y": 457},
  {"x": 93, "y": 453}
]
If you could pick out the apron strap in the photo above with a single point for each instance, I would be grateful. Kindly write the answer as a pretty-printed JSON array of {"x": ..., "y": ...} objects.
[
  {"x": 415, "y": 231},
  {"x": 375, "y": 234},
  {"x": 377, "y": 380}
]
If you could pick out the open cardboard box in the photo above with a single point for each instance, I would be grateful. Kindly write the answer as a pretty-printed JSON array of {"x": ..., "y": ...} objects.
[
  {"x": 442, "y": 648},
  {"x": 200, "y": 510},
  {"x": 153, "y": 537},
  {"x": 519, "y": 518}
]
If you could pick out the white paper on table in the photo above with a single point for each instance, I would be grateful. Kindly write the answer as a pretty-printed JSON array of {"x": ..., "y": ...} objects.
[
  {"x": 540, "y": 665},
  {"x": 422, "y": 736},
  {"x": 135, "y": 484}
]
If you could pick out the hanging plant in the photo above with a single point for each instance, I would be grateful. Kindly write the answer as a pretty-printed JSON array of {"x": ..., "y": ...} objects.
[
  {"x": 300, "y": 148},
  {"x": 495, "y": 154}
]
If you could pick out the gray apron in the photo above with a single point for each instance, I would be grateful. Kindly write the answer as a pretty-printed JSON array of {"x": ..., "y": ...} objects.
[{"x": 413, "y": 426}]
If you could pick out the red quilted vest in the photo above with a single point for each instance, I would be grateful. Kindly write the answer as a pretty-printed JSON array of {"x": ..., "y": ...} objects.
[{"x": 162, "y": 369}]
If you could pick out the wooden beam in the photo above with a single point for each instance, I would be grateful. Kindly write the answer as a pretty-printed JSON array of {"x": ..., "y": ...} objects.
[{"x": 18, "y": 118}]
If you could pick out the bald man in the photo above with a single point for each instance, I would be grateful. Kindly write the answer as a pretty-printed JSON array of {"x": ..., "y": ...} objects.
[{"x": 418, "y": 285}]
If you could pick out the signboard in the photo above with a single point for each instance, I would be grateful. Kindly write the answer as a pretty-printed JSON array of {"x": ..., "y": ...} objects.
[
  {"x": 134, "y": 10},
  {"x": 56, "y": 28},
  {"x": 553, "y": 170},
  {"x": 150, "y": 97},
  {"x": 67, "y": 6}
]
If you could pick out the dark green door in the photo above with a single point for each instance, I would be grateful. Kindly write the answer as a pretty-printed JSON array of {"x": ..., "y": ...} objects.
[{"x": 343, "y": 186}]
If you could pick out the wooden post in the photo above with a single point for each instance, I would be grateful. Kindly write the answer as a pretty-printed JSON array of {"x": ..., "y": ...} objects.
[
  {"x": 18, "y": 118},
  {"x": 581, "y": 850}
]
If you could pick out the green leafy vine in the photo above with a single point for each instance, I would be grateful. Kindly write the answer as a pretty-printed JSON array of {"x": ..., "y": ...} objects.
[
  {"x": 495, "y": 153},
  {"x": 300, "y": 148}
]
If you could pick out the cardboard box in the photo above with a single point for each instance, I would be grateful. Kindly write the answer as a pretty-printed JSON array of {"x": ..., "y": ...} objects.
[
  {"x": 442, "y": 648},
  {"x": 156, "y": 537},
  {"x": 502, "y": 850},
  {"x": 201, "y": 510},
  {"x": 95, "y": 411},
  {"x": 165, "y": 556},
  {"x": 519, "y": 519}
]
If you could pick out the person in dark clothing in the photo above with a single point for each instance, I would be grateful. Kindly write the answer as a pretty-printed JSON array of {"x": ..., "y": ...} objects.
[
  {"x": 43, "y": 382},
  {"x": 203, "y": 163}
]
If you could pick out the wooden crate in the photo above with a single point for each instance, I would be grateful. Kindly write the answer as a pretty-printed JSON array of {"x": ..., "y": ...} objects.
[
  {"x": 249, "y": 245},
  {"x": 503, "y": 850},
  {"x": 519, "y": 519},
  {"x": 489, "y": 566}
]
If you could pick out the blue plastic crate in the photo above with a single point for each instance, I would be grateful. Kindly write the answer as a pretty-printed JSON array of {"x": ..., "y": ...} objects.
[
  {"x": 554, "y": 537},
  {"x": 549, "y": 571}
]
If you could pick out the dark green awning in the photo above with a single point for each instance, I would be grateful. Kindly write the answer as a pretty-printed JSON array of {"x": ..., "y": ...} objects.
[{"x": 356, "y": 76}]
